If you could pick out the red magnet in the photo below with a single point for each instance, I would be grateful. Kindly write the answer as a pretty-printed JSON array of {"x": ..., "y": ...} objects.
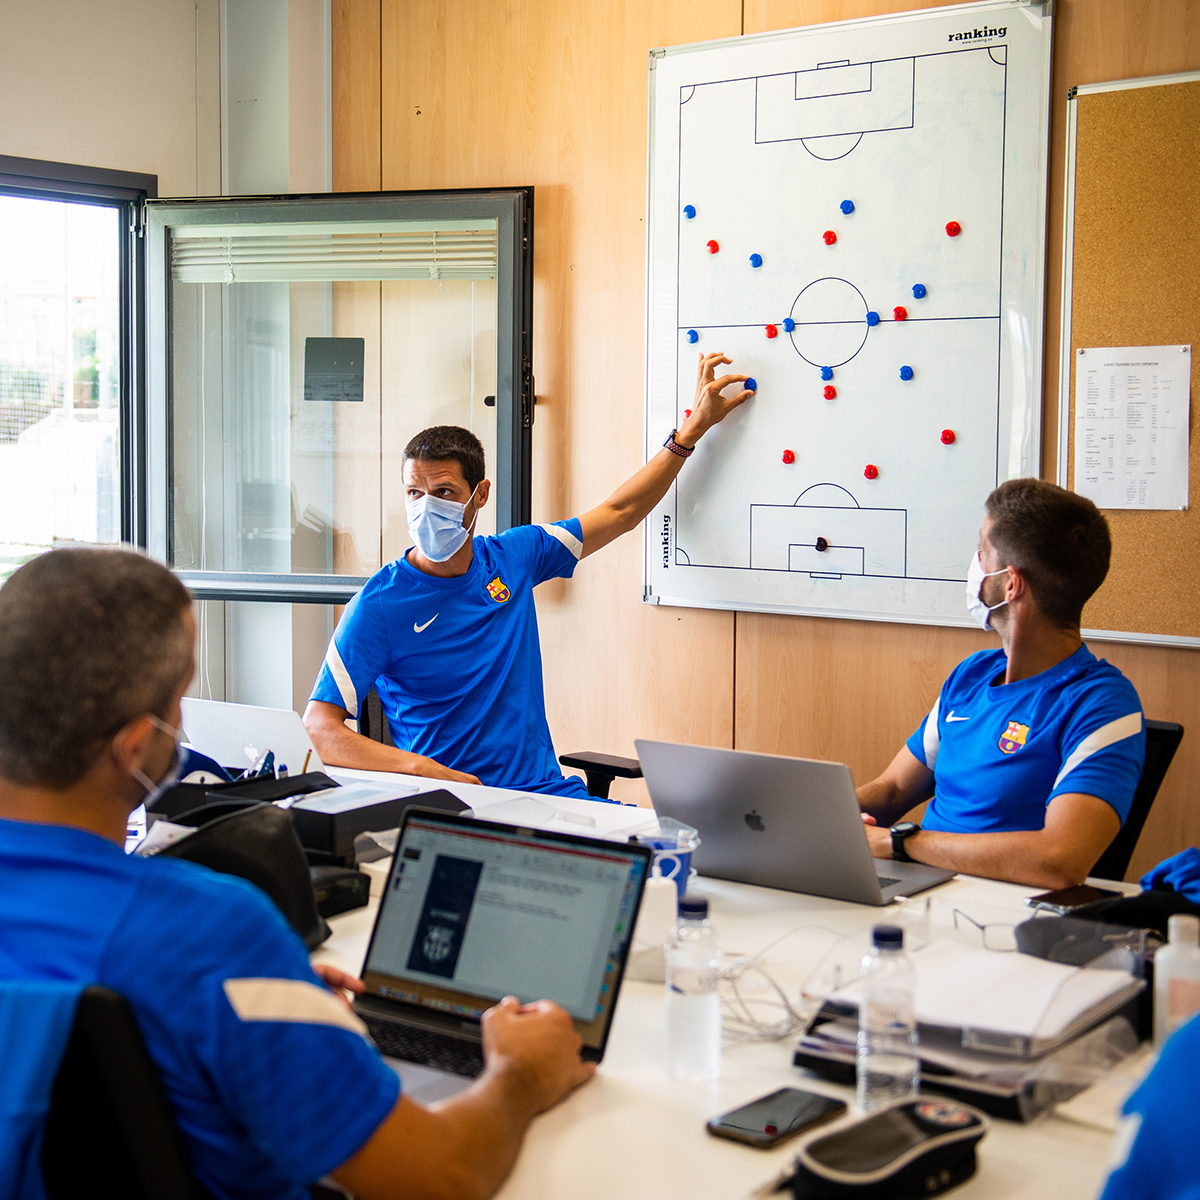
[
  {"x": 789, "y": 457},
  {"x": 900, "y": 312},
  {"x": 948, "y": 437},
  {"x": 871, "y": 471},
  {"x": 772, "y": 331},
  {"x": 830, "y": 392},
  {"x": 713, "y": 245},
  {"x": 687, "y": 412},
  {"x": 953, "y": 228},
  {"x": 829, "y": 236}
]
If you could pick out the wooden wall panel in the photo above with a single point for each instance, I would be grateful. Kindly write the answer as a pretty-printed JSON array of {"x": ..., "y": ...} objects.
[
  {"x": 356, "y": 86},
  {"x": 555, "y": 95}
]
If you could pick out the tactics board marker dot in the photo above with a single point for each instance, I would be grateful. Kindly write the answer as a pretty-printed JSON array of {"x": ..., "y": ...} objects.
[
  {"x": 872, "y": 319},
  {"x": 870, "y": 471},
  {"x": 906, "y": 373},
  {"x": 689, "y": 211},
  {"x": 919, "y": 291},
  {"x": 829, "y": 236},
  {"x": 826, "y": 372},
  {"x": 687, "y": 412},
  {"x": 953, "y": 228},
  {"x": 830, "y": 392},
  {"x": 788, "y": 324},
  {"x": 847, "y": 206},
  {"x": 900, "y": 313},
  {"x": 771, "y": 331},
  {"x": 751, "y": 384},
  {"x": 948, "y": 438},
  {"x": 788, "y": 457},
  {"x": 822, "y": 545},
  {"x": 756, "y": 260},
  {"x": 713, "y": 245},
  {"x": 693, "y": 336}
]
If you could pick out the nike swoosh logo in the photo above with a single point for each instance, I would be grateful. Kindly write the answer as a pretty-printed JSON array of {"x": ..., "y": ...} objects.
[
  {"x": 952, "y": 717},
  {"x": 419, "y": 628}
]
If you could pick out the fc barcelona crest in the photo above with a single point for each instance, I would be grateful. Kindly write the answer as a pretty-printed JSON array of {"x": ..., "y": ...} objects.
[
  {"x": 498, "y": 590},
  {"x": 1014, "y": 737}
]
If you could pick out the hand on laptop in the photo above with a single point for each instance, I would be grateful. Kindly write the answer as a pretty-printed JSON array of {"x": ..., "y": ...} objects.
[
  {"x": 338, "y": 982},
  {"x": 539, "y": 1044}
]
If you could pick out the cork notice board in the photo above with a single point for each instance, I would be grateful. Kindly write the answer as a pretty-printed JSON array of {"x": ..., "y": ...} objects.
[{"x": 1133, "y": 279}]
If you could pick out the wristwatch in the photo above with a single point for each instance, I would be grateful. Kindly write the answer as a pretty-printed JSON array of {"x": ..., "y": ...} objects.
[
  {"x": 900, "y": 831},
  {"x": 676, "y": 447}
]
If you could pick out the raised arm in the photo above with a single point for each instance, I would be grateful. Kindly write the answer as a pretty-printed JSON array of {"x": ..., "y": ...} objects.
[
  {"x": 339, "y": 746},
  {"x": 630, "y": 504}
]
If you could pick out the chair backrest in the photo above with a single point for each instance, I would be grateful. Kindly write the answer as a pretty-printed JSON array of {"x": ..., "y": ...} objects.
[
  {"x": 110, "y": 1130},
  {"x": 1162, "y": 740}
]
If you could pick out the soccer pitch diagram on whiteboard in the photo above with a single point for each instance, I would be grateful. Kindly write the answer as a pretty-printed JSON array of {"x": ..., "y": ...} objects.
[{"x": 854, "y": 214}]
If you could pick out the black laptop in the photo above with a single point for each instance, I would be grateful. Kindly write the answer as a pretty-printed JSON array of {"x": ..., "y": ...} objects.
[{"x": 477, "y": 910}]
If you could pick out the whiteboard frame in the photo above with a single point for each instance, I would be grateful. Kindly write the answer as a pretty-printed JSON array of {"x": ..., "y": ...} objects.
[
  {"x": 1065, "y": 347},
  {"x": 1038, "y": 318}
]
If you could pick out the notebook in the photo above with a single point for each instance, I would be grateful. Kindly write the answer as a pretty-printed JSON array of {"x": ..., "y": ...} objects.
[{"x": 476, "y": 910}]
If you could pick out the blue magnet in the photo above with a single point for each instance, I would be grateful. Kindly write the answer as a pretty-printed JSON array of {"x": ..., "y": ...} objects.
[
  {"x": 788, "y": 324},
  {"x": 906, "y": 372},
  {"x": 847, "y": 206},
  {"x": 689, "y": 211},
  {"x": 919, "y": 291},
  {"x": 872, "y": 318},
  {"x": 693, "y": 336},
  {"x": 752, "y": 384},
  {"x": 756, "y": 260},
  {"x": 826, "y": 373}
]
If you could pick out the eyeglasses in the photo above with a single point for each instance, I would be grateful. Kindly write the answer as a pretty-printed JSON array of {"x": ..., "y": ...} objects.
[{"x": 994, "y": 936}]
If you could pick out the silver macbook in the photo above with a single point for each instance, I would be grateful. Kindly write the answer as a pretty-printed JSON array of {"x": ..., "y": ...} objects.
[
  {"x": 791, "y": 823},
  {"x": 475, "y": 910},
  {"x": 237, "y": 735}
]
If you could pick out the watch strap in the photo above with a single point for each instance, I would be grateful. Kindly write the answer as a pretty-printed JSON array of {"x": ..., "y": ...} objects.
[{"x": 675, "y": 448}]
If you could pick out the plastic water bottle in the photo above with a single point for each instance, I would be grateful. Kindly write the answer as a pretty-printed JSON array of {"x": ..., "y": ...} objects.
[
  {"x": 1176, "y": 977},
  {"x": 692, "y": 1041},
  {"x": 888, "y": 1066}
]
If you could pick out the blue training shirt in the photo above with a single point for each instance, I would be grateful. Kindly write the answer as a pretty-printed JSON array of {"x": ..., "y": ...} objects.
[
  {"x": 1001, "y": 752},
  {"x": 271, "y": 1078},
  {"x": 456, "y": 662},
  {"x": 1157, "y": 1149}
]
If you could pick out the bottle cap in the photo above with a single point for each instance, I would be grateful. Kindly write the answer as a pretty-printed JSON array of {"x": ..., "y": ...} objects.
[
  {"x": 693, "y": 908},
  {"x": 888, "y": 937},
  {"x": 1183, "y": 929}
]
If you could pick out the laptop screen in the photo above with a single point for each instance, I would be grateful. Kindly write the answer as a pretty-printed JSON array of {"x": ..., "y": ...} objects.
[{"x": 474, "y": 911}]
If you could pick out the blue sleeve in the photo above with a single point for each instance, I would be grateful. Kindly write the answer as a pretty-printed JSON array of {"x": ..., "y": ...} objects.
[
  {"x": 1104, "y": 745},
  {"x": 546, "y": 551},
  {"x": 250, "y": 1048},
  {"x": 1158, "y": 1143},
  {"x": 358, "y": 654},
  {"x": 916, "y": 739}
]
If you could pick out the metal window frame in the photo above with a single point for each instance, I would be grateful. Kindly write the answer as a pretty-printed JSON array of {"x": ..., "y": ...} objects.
[
  {"x": 512, "y": 208},
  {"x": 127, "y": 191}
]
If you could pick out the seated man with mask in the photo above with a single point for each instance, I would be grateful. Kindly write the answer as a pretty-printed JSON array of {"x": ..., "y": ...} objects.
[
  {"x": 1031, "y": 755},
  {"x": 271, "y": 1078},
  {"x": 447, "y": 634}
]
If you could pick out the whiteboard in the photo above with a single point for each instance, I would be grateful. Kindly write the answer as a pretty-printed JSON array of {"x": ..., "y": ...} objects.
[{"x": 865, "y": 502}]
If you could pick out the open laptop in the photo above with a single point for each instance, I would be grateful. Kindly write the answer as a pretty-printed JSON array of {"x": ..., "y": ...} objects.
[
  {"x": 477, "y": 910},
  {"x": 791, "y": 823},
  {"x": 237, "y": 735}
]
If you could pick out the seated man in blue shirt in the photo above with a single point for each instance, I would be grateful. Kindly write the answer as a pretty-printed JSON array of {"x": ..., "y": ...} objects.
[
  {"x": 270, "y": 1076},
  {"x": 447, "y": 634},
  {"x": 1030, "y": 756}
]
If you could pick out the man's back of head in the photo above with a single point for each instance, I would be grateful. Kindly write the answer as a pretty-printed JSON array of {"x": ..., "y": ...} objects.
[
  {"x": 1058, "y": 539},
  {"x": 89, "y": 640}
]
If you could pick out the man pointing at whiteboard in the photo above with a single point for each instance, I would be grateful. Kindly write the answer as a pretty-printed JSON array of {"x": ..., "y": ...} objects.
[{"x": 447, "y": 634}]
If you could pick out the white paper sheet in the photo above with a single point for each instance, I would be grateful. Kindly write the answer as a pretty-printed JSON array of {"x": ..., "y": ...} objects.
[{"x": 1131, "y": 425}]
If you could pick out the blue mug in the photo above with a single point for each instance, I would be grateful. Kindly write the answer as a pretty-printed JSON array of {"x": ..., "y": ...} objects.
[{"x": 672, "y": 843}]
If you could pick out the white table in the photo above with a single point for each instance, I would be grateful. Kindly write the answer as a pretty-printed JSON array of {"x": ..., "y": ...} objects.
[{"x": 636, "y": 1132}]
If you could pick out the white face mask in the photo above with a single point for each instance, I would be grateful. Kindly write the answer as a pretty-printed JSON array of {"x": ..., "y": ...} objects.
[
  {"x": 975, "y": 606},
  {"x": 171, "y": 777},
  {"x": 436, "y": 526}
]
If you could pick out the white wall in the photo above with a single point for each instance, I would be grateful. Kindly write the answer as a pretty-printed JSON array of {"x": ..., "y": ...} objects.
[{"x": 133, "y": 85}]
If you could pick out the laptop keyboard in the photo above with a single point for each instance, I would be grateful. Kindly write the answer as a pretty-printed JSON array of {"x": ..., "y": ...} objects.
[{"x": 423, "y": 1046}]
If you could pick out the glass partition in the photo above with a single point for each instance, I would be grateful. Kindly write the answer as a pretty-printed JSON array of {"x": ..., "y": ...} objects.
[{"x": 296, "y": 346}]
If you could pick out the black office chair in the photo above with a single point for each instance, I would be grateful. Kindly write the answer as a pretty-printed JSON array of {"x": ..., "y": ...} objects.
[
  {"x": 110, "y": 1130},
  {"x": 1162, "y": 740},
  {"x": 599, "y": 769}
]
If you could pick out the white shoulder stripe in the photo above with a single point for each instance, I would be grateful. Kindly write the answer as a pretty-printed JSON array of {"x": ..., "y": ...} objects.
[
  {"x": 1106, "y": 735},
  {"x": 568, "y": 539},
  {"x": 932, "y": 739},
  {"x": 345, "y": 685},
  {"x": 291, "y": 1000}
]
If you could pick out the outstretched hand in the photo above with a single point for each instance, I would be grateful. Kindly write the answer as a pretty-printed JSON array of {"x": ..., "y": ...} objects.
[{"x": 711, "y": 406}]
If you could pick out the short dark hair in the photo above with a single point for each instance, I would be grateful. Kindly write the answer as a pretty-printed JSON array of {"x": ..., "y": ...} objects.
[
  {"x": 440, "y": 443},
  {"x": 89, "y": 640},
  {"x": 1058, "y": 539}
]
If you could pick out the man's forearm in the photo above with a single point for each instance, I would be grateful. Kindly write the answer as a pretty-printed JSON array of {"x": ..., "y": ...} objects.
[{"x": 883, "y": 802}]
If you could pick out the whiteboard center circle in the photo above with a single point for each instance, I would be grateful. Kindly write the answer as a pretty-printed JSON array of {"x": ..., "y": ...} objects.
[{"x": 831, "y": 322}]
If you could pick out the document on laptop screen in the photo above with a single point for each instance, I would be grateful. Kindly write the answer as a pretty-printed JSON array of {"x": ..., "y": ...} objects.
[{"x": 491, "y": 913}]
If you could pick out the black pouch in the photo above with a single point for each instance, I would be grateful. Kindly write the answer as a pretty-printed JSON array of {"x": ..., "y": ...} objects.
[
  {"x": 186, "y": 797},
  {"x": 910, "y": 1150},
  {"x": 256, "y": 841}
]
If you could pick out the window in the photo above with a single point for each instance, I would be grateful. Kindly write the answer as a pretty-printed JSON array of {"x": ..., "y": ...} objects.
[{"x": 69, "y": 331}]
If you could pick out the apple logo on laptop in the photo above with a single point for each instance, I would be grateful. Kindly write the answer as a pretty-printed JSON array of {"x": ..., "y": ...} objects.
[{"x": 754, "y": 821}]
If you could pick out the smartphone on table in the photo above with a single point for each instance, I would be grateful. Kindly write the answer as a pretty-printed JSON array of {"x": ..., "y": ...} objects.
[
  {"x": 767, "y": 1121},
  {"x": 1065, "y": 899}
]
